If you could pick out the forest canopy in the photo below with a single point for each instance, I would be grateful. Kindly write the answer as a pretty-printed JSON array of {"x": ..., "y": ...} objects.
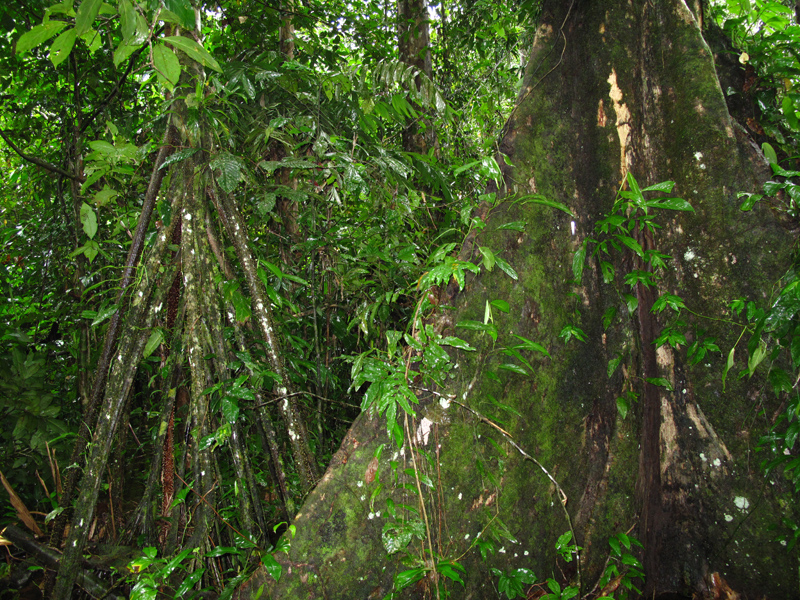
[{"x": 231, "y": 230}]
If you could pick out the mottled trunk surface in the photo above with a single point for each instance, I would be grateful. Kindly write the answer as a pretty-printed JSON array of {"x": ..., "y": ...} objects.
[{"x": 611, "y": 88}]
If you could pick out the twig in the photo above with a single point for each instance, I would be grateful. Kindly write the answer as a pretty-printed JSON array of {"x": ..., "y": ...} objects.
[{"x": 40, "y": 162}]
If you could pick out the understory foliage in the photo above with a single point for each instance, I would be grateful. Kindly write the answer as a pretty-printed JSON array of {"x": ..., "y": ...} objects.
[{"x": 212, "y": 238}]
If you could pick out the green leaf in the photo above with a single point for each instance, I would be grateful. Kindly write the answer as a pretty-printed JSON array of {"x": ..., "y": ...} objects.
[
  {"x": 405, "y": 578},
  {"x": 757, "y": 357},
  {"x": 632, "y": 244},
  {"x": 222, "y": 551},
  {"x": 660, "y": 382},
  {"x": 167, "y": 64},
  {"x": 38, "y": 35},
  {"x": 189, "y": 582},
  {"x": 671, "y": 204},
  {"x": 530, "y": 345},
  {"x": 456, "y": 343},
  {"x": 514, "y": 226},
  {"x": 104, "y": 196},
  {"x": 578, "y": 260},
  {"x": 178, "y": 156},
  {"x": 664, "y": 186},
  {"x": 488, "y": 257},
  {"x": 230, "y": 408},
  {"x": 104, "y": 313},
  {"x": 194, "y": 51},
  {"x": 541, "y": 200},
  {"x": 513, "y": 368},
  {"x": 230, "y": 170},
  {"x": 88, "y": 220},
  {"x": 87, "y": 13},
  {"x": 623, "y": 407},
  {"x": 272, "y": 566},
  {"x": 631, "y": 302},
  {"x": 62, "y": 46},
  {"x": 500, "y": 305},
  {"x": 127, "y": 17},
  {"x": 153, "y": 342},
  {"x": 728, "y": 366},
  {"x": 750, "y": 200},
  {"x": 183, "y": 10},
  {"x": 506, "y": 268}
]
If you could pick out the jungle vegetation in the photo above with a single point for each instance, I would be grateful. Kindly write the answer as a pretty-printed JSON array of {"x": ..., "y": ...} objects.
[{"x": 349, "y": 299}]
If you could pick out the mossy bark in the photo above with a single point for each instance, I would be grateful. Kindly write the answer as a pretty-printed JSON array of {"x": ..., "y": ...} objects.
[{"x": 611, "y": 88}]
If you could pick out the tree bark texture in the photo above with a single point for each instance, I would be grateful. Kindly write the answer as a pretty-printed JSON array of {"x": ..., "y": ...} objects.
[{"x": 611, "y": 88}]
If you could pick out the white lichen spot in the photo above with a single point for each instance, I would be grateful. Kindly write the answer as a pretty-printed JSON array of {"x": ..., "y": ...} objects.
[
  {"x": 74, "y": 543},
  {"x": 728, "y": 518},
  {"x": 460, "y": 495},
  {"x": 81, "y": 523},
  {"x": 689, "y": 254},
  {"x": 703, "y": 457},
  {"x": 188, "y": 216},
  {"x": 360, "y": 484},
  {"x": 466, "y": 537},
  {"x": 717, "y": 462},
  {"x": 502, "y": 550},
  {"x": 783, "y": 542},
  {"x": 371, "y": 516},
  {"x": 516, "y": 555},
  {"x": 424, "y": 431},
  {"x": 444, "y": 403},
  {"x": 741, "y": 502},
  {"x": 698, "y": 156},
  {"x": 378, "y": 513},
  {"x": 363, "y": 497},
  {"x": 158, "y": 308},
  {"x": 141, "y": 294},
  {"x": 202, "y": 473},
  {"x": 572, "y": 227},
  {"x": 526, "y": 553}
]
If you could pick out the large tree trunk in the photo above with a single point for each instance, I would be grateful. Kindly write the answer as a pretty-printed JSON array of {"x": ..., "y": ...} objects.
[{"x": 611, "y": 88}]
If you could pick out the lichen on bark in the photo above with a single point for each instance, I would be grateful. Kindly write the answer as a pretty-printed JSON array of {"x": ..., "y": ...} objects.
[{"x": 611, "y": 89}]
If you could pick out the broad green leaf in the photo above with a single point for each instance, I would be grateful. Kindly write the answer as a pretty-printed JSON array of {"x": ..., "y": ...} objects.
[
  {"x": 513, "y": 368},
  {"x": 578, "y": 261},
  {"x": 104, "y": 196},
  {"x": 622, "y": 407},
  {"x": 87, "y": 13},
  {"x": 664, "y": 186},
  {"x": 632, "y": 244},
  {"x": 670, "y": 204},
  {"x": 178, "y": 156},
  {"x": 500, "y": 305},
  {"x": 103, "y": 314},
  {"x": 124, "y": 51},
  {"x": 230, "y": 170},
  {"x": 167, "y": 64},
  {"x": 183, "y": 10},
  {"x": 62, "y": 46},
  {"x": 530, "y": 345},
  {"x": 194, "y": 51},
  {"x": 189, "y": 582},
  {"x": 89, "y": 220},
  {"x": 456, "y": 343},
  {"x": 749, "y": 200},
  {"x": 541, "y": 200},
  {"x": 127, "y": 18},
  {"x": 488, "y": 258},
  {"x": 513, "y": 225},
  {"x": 728, "y": 365},
  {"x": 769, "y": 153},
  {"x": 506, "y": 268},
  {"x": 230, "y": 408},
  {"x": 757, "y": 357},
  {"x": 272, "y": 566},
  {"x": 660, "y": 382},
  {"x": 405, "y": 578},
  {"x": 38, "y": 35},
  {"x": 153, "y": 342}
]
